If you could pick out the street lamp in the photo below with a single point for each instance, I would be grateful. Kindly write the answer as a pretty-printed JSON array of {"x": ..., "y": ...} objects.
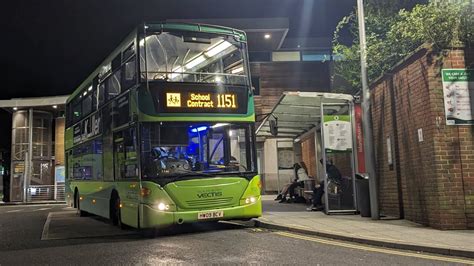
[{"x": 366, "y": 119}]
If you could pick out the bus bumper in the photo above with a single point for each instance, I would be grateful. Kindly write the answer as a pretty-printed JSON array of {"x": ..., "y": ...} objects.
[{"x": 153, "y": 218}]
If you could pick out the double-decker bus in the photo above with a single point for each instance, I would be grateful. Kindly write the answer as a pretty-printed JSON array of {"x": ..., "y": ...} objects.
[{"x": 162, "y": 132}]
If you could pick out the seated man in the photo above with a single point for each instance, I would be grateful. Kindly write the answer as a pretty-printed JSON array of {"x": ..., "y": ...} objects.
[{"x": 333, "y": 174}]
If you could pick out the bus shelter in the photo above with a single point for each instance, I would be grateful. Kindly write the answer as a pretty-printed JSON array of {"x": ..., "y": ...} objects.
[{"x": 322, "y": 126}]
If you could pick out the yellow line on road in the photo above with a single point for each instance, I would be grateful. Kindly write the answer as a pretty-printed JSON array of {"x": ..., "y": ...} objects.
[{"x": 379, "y": 250}]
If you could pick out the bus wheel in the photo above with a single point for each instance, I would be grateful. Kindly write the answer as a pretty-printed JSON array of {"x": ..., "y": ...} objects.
[
  {"x": 78, "y": 205},
  {"x": 115, "y": 212}
]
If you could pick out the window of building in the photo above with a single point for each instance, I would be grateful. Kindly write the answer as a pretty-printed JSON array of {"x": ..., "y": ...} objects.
[
  {"x": 316, "y": 56},
  {"x": 260, "y": 56},
  {"x": 286, "y": 56}
]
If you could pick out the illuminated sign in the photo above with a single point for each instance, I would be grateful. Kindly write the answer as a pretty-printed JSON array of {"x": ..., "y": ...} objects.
[
  {"x": 202, "y": 100},
  {"x": 183, "y": 98}
]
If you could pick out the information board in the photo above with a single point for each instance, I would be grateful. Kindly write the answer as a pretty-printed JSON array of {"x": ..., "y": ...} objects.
[
  {"x": 337, "y": 133},
  {"x": 458, "y": 91}
]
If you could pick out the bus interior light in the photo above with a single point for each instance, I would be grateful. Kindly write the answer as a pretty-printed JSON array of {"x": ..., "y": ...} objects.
[
  {"x": 221, "y": 46},
  {"x": 196, "y": 61},
  {"x": 198, "y": 129},
  {"x": 237, "y": 70},
  {"x": 220, "y": 125}
]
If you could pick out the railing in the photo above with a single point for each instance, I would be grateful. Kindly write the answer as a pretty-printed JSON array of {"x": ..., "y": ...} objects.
[{"x": 46, "y": 193}]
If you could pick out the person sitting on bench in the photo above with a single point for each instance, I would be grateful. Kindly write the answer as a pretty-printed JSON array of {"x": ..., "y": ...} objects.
[
  {"x": 333, "y": 174},
  {"x": 301, "y": 174}
]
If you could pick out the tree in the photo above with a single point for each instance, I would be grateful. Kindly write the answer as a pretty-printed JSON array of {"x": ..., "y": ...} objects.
[{"x": 394, "y": 30}]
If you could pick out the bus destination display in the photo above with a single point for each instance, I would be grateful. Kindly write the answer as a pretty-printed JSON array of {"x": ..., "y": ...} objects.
[{"x": 202, "y": 100}]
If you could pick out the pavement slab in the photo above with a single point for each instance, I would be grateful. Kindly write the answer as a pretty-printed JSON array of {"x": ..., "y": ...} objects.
[{"x": 390, "y": 232}]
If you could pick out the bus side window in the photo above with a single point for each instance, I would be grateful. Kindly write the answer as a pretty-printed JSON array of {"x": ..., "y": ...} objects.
[{"x": 125, "y": 153}]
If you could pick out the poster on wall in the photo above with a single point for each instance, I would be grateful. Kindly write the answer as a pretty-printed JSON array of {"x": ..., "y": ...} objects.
[
  {"x": 458, "y": 91},
  {"x": 337, "y": 133},
  {"x": 60, "y": 174}
]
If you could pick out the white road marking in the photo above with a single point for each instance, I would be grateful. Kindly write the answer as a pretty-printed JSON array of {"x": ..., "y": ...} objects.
[
  {"x": 43, "y": 209},
  {"x": 15, "y": 211},
  {"x": 375, "y": 249},
  {"x": 45, "y": 233}
]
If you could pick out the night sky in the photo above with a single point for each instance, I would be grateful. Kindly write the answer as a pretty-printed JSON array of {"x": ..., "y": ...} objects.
[{"x": 48, "y": 47}]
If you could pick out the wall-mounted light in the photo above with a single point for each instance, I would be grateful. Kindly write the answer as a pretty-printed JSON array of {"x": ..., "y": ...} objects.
[
  {"x": 15, "y": 108},
  {"x": 267, "y": 36},
  {"x": 55, "y": 106}
]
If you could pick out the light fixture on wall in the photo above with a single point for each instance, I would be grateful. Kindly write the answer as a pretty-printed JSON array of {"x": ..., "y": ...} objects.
[{"x": 267, "y": 36}]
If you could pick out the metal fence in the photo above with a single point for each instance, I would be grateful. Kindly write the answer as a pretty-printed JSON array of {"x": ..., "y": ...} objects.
[{"x": 46, "y": 193}]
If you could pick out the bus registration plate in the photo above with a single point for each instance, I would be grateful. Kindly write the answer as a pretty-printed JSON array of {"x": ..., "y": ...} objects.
[{"x": 210, "y": 215}]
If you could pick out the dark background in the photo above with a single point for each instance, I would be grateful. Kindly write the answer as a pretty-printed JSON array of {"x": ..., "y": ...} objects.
[{"x": 49, "y": 47}]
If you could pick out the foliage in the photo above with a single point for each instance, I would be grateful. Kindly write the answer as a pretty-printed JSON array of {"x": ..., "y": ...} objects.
[{"x": 393, "y": 32}]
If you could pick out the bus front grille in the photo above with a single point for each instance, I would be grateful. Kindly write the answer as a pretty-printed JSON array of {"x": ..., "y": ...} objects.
[{"x": 219, "y": 202}]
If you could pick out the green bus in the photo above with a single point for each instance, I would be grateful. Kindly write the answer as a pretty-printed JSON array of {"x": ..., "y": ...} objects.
[{"x": 162, "y": 132}]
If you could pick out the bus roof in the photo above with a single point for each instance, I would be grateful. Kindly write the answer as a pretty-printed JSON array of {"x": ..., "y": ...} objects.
[{"x": 157, "y": 26}]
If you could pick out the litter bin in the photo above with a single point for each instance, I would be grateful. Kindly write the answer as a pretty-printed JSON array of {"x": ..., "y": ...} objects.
[{"x": 363, "y": 195}]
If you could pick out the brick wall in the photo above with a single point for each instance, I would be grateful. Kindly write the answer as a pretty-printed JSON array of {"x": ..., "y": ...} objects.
[
  {"x": 277, "y": 77},
  {"x": 431, "y": 181}
]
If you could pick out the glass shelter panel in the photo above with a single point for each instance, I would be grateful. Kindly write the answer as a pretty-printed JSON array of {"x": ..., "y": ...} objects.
[{"x": 338, "y": 159}]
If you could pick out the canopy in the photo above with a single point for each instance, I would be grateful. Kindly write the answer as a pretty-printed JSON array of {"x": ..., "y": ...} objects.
[{"x": 298, "y": 112}]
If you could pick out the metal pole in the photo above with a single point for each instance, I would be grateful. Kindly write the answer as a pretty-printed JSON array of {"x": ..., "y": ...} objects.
[{"x": 366, "y": 118}]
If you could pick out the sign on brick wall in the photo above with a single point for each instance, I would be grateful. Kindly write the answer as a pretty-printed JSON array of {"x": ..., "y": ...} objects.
[{"x": 458, "y": 90}]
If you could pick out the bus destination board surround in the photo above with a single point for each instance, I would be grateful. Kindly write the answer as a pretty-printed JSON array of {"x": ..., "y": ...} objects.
[{"x": 202, "y": 99}]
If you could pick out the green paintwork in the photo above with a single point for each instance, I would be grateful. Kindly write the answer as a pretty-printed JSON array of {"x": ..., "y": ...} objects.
[
  {"x": 197, "y": 28},
  {"x": 231, "y": 187},
  {"x": 185, "y": 198},
  {"x": 68, "y": 138},
  {"x": 96, "y": 199},
  {"x": 328, "y": 118}
]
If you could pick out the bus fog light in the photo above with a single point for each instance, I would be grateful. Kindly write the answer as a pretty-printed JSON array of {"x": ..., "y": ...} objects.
[{"x": 163, "y": 207}]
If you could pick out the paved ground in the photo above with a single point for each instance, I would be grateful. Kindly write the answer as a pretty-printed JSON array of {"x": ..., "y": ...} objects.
[
  {"x": 355, "y": 226},
  {"x": 67, "y": 240}
]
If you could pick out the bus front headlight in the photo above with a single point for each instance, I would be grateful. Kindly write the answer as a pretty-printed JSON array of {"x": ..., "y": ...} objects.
[
  {"x": 250, "y": 200},
  {"x": 163, "y": 207}
]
